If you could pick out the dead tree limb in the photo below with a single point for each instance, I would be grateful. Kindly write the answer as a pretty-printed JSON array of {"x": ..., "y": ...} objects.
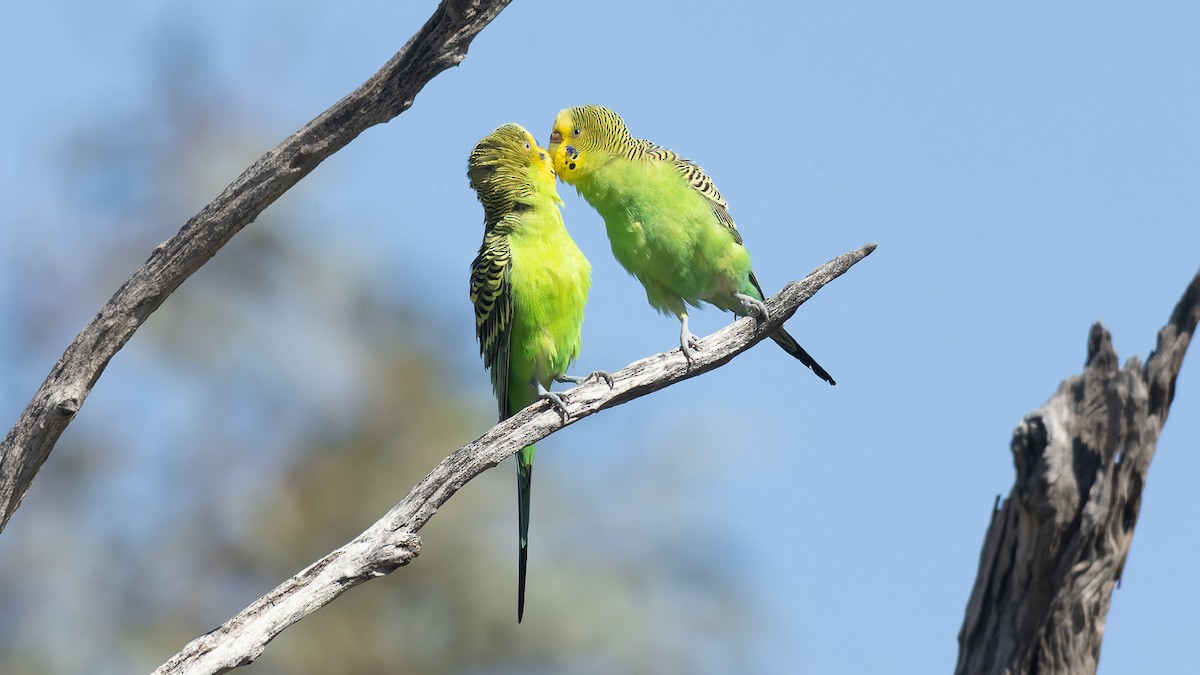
[
  {"x": 441, "y": 43},
  {"x": 392, "y": 541},
  {"x": 1056, "y": 547}
]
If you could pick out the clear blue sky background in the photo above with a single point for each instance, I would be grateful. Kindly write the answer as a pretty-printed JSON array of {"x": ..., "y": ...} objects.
[{"x": 1027, "y": 169}]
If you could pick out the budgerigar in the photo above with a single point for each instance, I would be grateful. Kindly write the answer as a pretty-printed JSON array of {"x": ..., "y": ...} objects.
[
  {"x": 667, "y": 223},
  {"x": 529, "y": 285}
]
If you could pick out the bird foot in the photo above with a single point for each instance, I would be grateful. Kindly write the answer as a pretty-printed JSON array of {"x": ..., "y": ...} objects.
[
  {"x": 752, "y": 306},
  {"x": 555, "y": 400},
  {"x": 687, "y": 340},
  {"x": 594, "y": 375}
]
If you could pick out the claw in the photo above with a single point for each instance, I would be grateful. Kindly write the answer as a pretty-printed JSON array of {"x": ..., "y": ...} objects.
[
  {"x": 752, "y": 306},
  {"x": 601, "y": 375},
  {"x": 687, "y": 341},
  {"x": 555, "y": 400},
  {"x": 594, "y": 375}
]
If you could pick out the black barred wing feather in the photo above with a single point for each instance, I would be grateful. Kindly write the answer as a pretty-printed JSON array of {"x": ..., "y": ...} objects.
[
  {"x": 492, "y": 297},
  {"x": 695, "y": 177},
  {"x": 644, "y": 149}
]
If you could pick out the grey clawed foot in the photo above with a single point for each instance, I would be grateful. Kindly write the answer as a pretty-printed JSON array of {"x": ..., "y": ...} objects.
[
  {"x": 753, "y": 306},
  {"x": 555, "y": 400},
  {"x": 688, "y": 341},
  {"x": 594, "y": 375},
  {"x": 602, "y": 375}
]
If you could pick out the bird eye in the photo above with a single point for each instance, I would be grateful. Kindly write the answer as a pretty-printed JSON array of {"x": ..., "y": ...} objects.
[
  {"x": 575, "y": 132},
  {"x": 526, "y": 145}
]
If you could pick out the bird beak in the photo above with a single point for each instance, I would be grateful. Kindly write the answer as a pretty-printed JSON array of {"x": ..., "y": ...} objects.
[{"x": 555, "y": 137}]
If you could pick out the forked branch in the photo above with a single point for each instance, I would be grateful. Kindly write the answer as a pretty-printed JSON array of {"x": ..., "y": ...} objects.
[
  {"x": 442, "y": 42},
  {"x": 1055, "y": 549}
]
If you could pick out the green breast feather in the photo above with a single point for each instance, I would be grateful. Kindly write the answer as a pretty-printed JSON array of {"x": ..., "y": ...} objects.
[{"x": 669, "y": 227}]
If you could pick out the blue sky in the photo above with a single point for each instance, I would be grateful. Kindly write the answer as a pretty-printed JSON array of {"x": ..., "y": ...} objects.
[{"x": 1026, "y": 169}]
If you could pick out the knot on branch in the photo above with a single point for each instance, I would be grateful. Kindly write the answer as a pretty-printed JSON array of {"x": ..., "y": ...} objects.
[
  {"x": 395, "y": 550},
  {"x": 67, "y": 406}
]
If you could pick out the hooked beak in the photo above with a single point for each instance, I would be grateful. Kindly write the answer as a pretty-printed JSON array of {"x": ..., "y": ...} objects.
[{"x": 555, "y": 137}]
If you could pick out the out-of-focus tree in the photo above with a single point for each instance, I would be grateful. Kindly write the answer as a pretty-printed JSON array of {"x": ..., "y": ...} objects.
[{"x": 278, "y": 403}]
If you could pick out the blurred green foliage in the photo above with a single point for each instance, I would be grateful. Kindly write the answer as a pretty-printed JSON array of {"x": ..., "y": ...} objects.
[{"x": 278, "y": 403}]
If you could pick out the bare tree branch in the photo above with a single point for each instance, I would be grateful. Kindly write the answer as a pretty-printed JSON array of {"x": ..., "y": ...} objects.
[
  {"x": 1056, "y": 547},
  {"x": 392, "y": 542},
  {"x": 441, "y": 43}
]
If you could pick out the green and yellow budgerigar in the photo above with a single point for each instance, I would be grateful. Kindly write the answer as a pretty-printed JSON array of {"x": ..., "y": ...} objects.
[
  {"x": 529, "y": 285},
  {"x": 667, "y": 223}
]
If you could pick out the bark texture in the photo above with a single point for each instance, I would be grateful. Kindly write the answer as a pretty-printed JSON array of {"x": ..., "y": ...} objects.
[
  {"x": 1056, "y": 547},
  {"x": 392, "y": 541},
  {"x": 441, "y": 43}
]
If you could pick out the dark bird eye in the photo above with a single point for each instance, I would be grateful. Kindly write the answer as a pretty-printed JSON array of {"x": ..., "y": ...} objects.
[
  {"x": 575, "y": 132},
  {"x": 526, "y": 145}
]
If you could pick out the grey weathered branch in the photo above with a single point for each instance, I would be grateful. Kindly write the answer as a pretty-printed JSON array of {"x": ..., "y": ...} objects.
[
  {"x": 392, "y": 542},
  {"x": 441, "y": 43},
  {"x": 1056, "y": 547}
]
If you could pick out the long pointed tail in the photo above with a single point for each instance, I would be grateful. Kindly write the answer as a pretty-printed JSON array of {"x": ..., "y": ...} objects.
[
  {"x": 524, "y": 482},
  {"x": 789, "y": 345},
  {"x": 782, "y": 337}
]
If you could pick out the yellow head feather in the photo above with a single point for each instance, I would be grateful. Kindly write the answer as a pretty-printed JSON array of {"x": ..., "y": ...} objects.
[
  {"x": 508, "y": 166},
  {"x": 583, "y": 135}
]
